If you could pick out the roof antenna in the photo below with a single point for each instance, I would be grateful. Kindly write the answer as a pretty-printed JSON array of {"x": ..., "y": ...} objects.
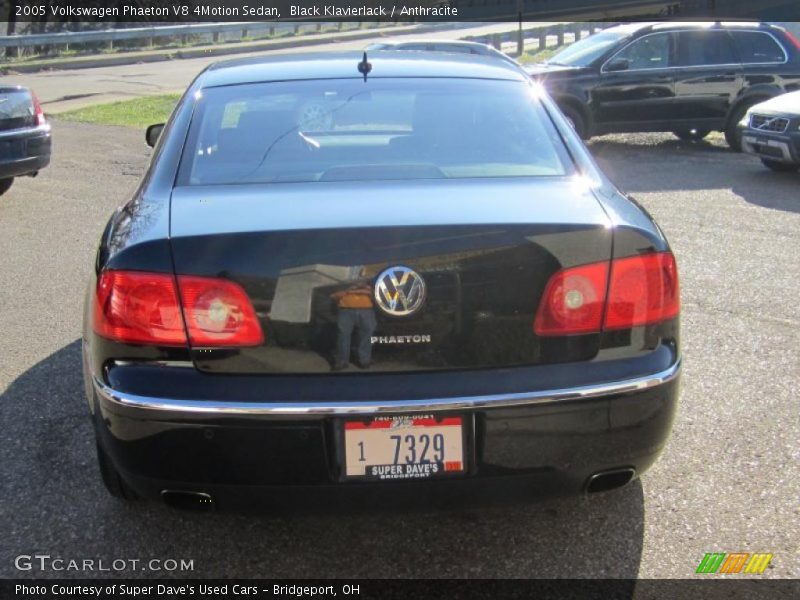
[{"x": 364, "y": 67}]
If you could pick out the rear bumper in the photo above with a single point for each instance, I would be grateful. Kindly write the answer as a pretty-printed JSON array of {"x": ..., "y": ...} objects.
[
  {"x": 24, "y": 151},
  {"x": 553, "y": 440}
]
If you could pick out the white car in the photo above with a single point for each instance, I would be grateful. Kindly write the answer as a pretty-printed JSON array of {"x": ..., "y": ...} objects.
[{"x": 771, "y": 131}]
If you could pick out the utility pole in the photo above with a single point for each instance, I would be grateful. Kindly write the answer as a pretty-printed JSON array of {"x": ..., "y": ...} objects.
[{"x": 520, "y": 39}]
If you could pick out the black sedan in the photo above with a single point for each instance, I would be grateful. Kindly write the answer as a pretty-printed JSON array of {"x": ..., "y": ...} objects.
[
  {"x": 771, "y": 131},
  {"x": 24, "y": 135},
  {"x": 327, "y": 281},
  {"x": 687, "y": 78}
]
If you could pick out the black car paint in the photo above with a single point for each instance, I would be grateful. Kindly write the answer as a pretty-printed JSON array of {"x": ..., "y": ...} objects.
[
  {"x": 485, "y": 272},
  {"x": 570, "y": 440},
  {"x": 557, "y": 444},
  {"x": 669, "y": 99}
]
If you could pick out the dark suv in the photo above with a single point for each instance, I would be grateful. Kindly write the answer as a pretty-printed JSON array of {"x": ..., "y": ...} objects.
[{"x": 688, "y": 78}]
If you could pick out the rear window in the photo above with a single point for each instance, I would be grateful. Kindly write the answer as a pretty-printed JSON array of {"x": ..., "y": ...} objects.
[
  {"x": 347, "y": 130},
  {"x": 16, "y": 109},
  {"x": 757, "y": 47}
]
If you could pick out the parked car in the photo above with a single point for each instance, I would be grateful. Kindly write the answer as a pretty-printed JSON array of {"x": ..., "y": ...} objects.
[
  {"x": 398, "y": 293},
  {"x": 687, "y": 78},
  {"x": 771, "y": 131},
  {"x": 24, "y": 135},
  {"x": 452, "y": 46}
]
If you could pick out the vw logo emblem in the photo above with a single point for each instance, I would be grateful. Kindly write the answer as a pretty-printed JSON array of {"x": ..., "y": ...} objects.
[{"x": 399, "y": 291}]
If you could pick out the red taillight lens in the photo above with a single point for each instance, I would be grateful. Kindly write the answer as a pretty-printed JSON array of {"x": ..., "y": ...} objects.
[
  {"x": 143, "y": 308},
  {"x": 218, "y": 313},
  {"x": 138, "y": 308},
  {"x": 792, "y": 38},
  {"x": 643, "y": 290},
  {"x": 37, "y": 110},
  {"x": 573, "y": 301}
]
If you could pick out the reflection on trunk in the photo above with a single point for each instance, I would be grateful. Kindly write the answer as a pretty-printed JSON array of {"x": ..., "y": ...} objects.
[{"x": 482, "y": 288}]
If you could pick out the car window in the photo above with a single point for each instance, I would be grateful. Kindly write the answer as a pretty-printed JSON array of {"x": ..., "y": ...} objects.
[
  {"x": 757, "y": 47},
  {"x": 652, "y": 51},
  {"x": 587, "y": 50},
  {"x": 16, "y": 109},
  {"x": 337, "y": 130},
  {"x": 704, "y": 47}
]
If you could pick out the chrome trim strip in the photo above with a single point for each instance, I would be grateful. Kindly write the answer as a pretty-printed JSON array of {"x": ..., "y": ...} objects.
[
  {"x": 210, "y": 408},
  {"x": 26, "y": 131},
  {"x": 183, "y": 364}
]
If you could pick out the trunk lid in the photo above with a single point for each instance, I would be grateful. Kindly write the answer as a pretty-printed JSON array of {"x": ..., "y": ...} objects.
[{"x": 484, "y": 250}]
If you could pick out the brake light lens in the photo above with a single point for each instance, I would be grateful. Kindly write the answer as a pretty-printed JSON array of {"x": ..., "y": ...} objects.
[
  {"x": 144, "y": 308},
  {"x": 218, "y": 313},
  {"x": 138, "y": 308},
  {"x": 37, "y": 110},
  {"x": 792, "y": 39},
  {"x": 573, "y": 301},
  {"x": 642, "y": 290}
]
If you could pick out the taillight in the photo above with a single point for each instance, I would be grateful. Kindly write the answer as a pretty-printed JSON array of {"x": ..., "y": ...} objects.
[
  {"x": 642, "y": 290},
  {"x": 37, "y": 110},
  {"x": 138, "y": 308},
  {"x": 792, "y": 39},
  {"x": 218, "y": 313},
  {"x": 144, "y": 308},
  {"x": 573, "y": 301}
]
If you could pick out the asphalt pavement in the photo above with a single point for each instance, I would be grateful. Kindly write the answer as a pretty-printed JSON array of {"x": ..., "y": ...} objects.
[{"x": 726, "y": 482}]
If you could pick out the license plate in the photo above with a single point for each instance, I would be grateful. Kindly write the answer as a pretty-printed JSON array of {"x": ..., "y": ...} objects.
[
  {"x": 770, "y": 148},
  {"x": 404, "y": 447}
]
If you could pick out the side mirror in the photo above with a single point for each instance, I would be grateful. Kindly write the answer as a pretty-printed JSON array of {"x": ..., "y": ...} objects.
[
  {"x": 151, "y": 136},
  {"x": 618, "y": 64}
]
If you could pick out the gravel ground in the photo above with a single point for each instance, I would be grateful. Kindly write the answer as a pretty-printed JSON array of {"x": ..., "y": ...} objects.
[{"x": 727, "y": 481}]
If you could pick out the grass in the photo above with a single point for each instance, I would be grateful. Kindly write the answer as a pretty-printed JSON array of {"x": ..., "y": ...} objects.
[
  {"x": 535, "y": 56},
  {"x": 138, "y": 112}
]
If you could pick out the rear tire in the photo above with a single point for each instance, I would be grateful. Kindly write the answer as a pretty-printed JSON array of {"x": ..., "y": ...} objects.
[
  {"x": 575, "y": 119},
  {"x": 779, "y": 167},
  {"x": 691, "y": 135},
  {"x": 5, "y": 184},
  {"x": 114, "y": 483},
  {"x": 732, "y": 134}
]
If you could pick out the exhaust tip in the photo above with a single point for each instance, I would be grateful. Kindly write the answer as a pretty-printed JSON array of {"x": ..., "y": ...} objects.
[
  {"x": 187, "y": 500},
  {"x": 609, "y": 480}
]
